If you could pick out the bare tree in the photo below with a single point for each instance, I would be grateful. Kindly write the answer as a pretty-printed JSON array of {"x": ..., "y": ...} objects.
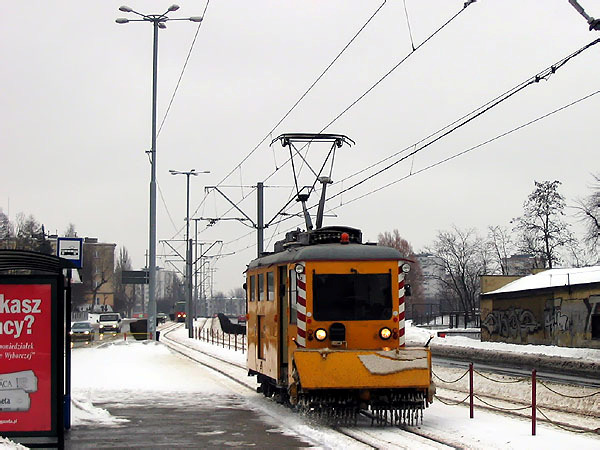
[
  {"x": 124, "y": 298},
  {"x": 415, "y": 277},
  {"x": 501, "y": 246},
  {"x": 70, "y": 231},
  {"x": 543, "y": 231},
  {"x": 463, "y": 256},
  {"x": 6, "y": 231},
  {"x": 30, "y": 235},
  {"x": 589, "y": 213}
]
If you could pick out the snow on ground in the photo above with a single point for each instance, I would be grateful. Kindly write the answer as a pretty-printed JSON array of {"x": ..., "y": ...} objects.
[
  {"x": 6, "y": 443},
  {"x": 419, "y": 336},
  {"x": 125, "y": 370}
]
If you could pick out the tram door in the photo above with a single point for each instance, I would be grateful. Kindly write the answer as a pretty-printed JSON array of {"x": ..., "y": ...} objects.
[{"x": 283, "y": 320}]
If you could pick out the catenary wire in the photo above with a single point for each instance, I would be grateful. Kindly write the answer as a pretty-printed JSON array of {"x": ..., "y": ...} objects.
[
  {"x": 355, "y": 101},
  {"x": 456, "y": 155}
]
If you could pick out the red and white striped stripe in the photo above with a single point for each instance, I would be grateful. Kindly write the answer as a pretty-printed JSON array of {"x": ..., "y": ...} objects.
[
  {"x": 401, "y": 313},
  {"x": 301, "y": 309}
]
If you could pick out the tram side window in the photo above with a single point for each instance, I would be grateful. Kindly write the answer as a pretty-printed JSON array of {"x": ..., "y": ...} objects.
[
  {"x": 293, "y": 298},
  {"x": 270, "y": 286},
  {"x": 252, "y": 288},
  {"x": 261, "y": 287}
]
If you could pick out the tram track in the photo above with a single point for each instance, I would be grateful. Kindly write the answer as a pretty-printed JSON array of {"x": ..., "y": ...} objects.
[{"x": 363, "y": 434}]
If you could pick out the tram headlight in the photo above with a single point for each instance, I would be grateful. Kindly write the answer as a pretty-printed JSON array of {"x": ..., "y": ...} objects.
[
  {"x": 385, "y": 333},
  {"x": 405, "y": 267},
  {"x": 299, "y": 268},
  {"x": 320, "y": 335}
]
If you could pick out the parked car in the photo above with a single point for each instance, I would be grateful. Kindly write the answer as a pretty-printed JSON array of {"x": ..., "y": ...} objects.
[{"x": 82, "y": 331}]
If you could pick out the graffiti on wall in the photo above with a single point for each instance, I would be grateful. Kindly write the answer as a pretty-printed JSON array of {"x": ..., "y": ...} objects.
[
  {"x": 554, "y": 319},
  {"x": 511, "y": 323}
]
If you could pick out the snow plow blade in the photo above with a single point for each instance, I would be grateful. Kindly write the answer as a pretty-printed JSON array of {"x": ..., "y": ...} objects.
[{"x": 364, "y": 369}]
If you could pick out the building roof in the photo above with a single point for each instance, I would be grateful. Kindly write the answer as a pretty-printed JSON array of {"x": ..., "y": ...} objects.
[{"x": 552, "y": 278}]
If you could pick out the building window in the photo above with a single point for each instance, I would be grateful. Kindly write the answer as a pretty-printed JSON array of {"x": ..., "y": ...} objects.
[{"x": 595, "y": 326}]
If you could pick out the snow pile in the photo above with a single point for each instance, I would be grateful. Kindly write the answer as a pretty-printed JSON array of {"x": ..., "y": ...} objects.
[
  {"x": 6, "y": 443},
  {"x": 83, "y": 412}
]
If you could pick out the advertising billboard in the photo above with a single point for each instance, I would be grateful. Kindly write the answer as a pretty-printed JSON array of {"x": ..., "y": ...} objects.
[{"x": 28, "y": 366}]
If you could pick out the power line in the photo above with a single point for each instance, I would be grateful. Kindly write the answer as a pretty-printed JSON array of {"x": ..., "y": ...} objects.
[
  {"x": 478, "y": 112},
  {"x": 182, "y": 70},
  {"x": 448, "y": 129},
  {"x": 456, "y": 155},
  {"x": 305, "y": 93},
  {"x": 398, "y": 64},
  {"x": 294, "y": 107},
  {"x": 466, "y": 4}
]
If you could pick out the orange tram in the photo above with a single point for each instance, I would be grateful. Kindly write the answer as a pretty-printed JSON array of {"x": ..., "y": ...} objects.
[{"x": 326, "y": 329}]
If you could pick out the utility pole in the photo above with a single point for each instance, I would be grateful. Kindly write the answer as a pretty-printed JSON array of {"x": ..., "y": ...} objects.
[
  {"x": 189, "y": 323},
  {"x": 260, "y": 223},
  {"x": 158, "y": 21}
]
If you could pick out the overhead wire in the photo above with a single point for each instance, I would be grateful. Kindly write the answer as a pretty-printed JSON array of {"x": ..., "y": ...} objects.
[
  {"x": 544, "y": 74},
  {"x": 321, "y": 75},
  {"x": 290, "y": 110},
  {"x": 388, "y": 73},
  {"x": 456, "y": 155},
  {"x": 362, "y": 96},
  {"x": 445, "y": 131}
]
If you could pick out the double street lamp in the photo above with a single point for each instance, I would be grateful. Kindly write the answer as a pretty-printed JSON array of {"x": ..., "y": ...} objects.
[
  {"x": 188, "y": 251},
  {"x": 158, "y": 21}
]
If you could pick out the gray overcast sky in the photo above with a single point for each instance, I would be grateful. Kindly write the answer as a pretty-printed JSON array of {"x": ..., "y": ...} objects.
[{"x": 76, "y": 102}]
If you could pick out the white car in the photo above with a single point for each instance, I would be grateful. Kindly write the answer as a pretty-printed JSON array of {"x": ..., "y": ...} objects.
[{"x": 109, "y": 323}]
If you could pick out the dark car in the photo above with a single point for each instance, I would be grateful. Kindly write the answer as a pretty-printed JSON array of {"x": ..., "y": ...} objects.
[
  {"x": 82, "y": 331},
  {"x": 161, "y": 317}
]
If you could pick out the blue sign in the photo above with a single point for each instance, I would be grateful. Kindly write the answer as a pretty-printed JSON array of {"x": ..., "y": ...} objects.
[{"x": 71, "y": 249}]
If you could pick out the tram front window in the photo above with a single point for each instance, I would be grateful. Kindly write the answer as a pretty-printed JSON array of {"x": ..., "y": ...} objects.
[{"x": 352, "y": 296}]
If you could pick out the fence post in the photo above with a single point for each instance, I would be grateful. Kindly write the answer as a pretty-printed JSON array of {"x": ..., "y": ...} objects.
[
  {"x": 228, "y": 341},
  {"x": 243, "y": 343},
  {"x": 471, "y": 389},
  {"x": 533, "y": 401}
]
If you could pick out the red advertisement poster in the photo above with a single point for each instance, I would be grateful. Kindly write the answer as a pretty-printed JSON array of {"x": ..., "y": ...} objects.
[{"x": 25, "y": 357}]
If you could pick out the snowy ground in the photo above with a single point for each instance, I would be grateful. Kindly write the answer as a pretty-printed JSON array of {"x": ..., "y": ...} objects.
[
  {"x": 487, "y": 429},
  {"x": 146, "y": 371}
]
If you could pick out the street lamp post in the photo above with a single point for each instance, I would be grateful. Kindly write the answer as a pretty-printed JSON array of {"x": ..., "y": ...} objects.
[
  {"x": 158, "y": 21},
  {"x": 189, "y": 323}
]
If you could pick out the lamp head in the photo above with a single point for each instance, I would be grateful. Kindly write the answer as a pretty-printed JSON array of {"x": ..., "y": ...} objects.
[
  {"x": 122, "y": 20},
  {"x": 125, "y": 9},
  {"x": 173, "y": 8},
  {"x": 195, "y": 19}
]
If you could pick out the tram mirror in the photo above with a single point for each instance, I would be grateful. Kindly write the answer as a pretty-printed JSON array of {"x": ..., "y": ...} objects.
[{"x": 407, "y": 290}]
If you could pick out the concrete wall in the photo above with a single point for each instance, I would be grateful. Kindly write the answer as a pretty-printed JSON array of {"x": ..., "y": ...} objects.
[{"x": 559, "y": 316}]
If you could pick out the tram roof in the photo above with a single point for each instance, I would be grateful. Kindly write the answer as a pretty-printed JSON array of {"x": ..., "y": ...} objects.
[{"x": 329, "y": 252}]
